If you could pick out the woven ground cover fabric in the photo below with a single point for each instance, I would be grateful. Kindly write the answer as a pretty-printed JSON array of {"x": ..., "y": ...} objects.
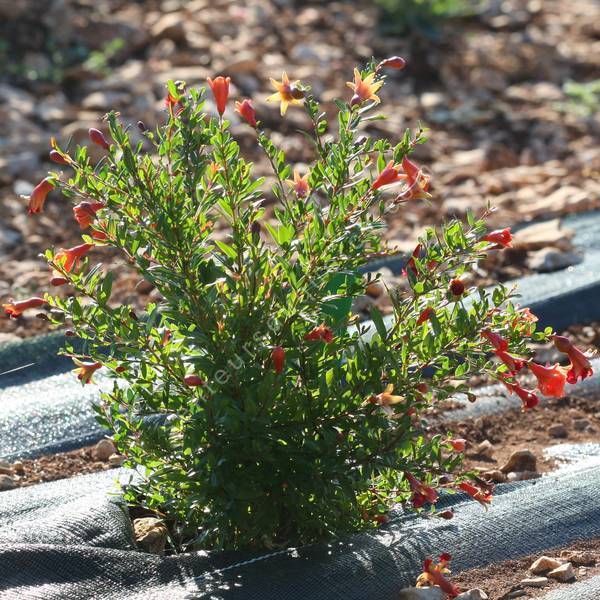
[{"x": 71, "y": 539}]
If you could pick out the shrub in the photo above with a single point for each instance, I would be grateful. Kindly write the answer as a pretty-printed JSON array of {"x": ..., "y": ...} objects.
[{"x": 255, "y": 408}]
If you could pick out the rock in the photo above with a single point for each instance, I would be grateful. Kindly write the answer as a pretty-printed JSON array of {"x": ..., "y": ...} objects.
[
  {"x": 485, "y": 449},
  {"x": 474, "y": 594},
  {"x": 375, "y": 289},
  {"x": 151, "y": 534},
  {"x": 432, "y": 593},
  {"x": 170, "y": 26},
  {"x": 578, "y": 558},
  {"x": 116, "y": 460},
  {"x": 558, "y": 430},
  {"x": 519, "y": 461},
  {"x": 515, "y": 594},
  {"x": 6, "y": 483},
  {"x": 18, "y": 467},
  {"x": 542, "y": 235},
  {"x": 495, "y": 475},
  {"x": 543, "y": 564},
  {"x": 106, "y": 100},
  {"x": 536, "y": 582},
  {"x": 548, "y": 260},
  {"x": 563, "y": 573},
  {"x": 103, "y": 450},
  {"x": 8, "y": 238},
  {"x": 6, "y": 470},
  {"x": 581, "y": 424},
  {"x": 522, "y": 475},
  {"x": 565, "y": 199}
]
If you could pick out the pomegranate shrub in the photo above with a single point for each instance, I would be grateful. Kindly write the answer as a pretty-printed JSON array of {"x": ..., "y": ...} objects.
[{"x": 253, "y": 405}]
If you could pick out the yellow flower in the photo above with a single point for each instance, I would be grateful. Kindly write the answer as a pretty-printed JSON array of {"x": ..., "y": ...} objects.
[
  {"x": 287, "y": 93},
  {"x": 364, "y": 89},
  {"x": 299, "y": 184}
]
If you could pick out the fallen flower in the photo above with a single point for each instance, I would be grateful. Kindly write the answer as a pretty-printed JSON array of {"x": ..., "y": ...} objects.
[
  {"x": 501, "y": 237},
  {"x": 38, "y": 196},
  {"x": 435, "y": 574},
  {"x": 287, "y": 93},
  {"x": 69, "y": 257},
  {"x": 551, "y": 380},
  {"x": 246, "y": 111},
  {"x": 16, "y": 309},
  {"x": 85, "y": 370},
  {"x": 364, "y": 89},
  {"x": 85, "y": 212},
  {"x": 484, "y": 497},
  {"x": 220, "y": 89}
]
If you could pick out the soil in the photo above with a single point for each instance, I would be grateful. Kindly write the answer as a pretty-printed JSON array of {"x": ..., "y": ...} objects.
[{"x": 498, "y": 580}]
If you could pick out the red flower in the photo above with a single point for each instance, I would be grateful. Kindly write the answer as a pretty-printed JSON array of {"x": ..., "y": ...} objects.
[
  {"x": 220, "y": 89},
  {"x": 322, "y": 333},
  {"x": 458, "y": 445},
  {"x": 390, "y": 174},
  {"x": 424, "y": 316},
  {"x": 435, "y": 574},
  {"x": 278, "y": 358},
  {"x": 418, "y": 182},
  {"x": 501, "y": 237},
  {"x": 446, "y": 514},
  {"x": 393, "y": 62},
  {"x": 484, "y": 497},
  {"x": 421, "y": 493},
  {"x": 246, "y": 111},
  {"x": 580, "y": 364},
  {"x": 58, "y": 158},
  {"x": 410, "y": 265},
  {"x": 529, "y": 399},
  {"x": 85, "y": 370},
  {"x": 38, "y": 196},
  {"x": 58, "y": 279},
  {"x": 495, "y": 339},
  {"x": 174, "y": 105},
  {"x": 193, "y": 380},
  {"x": 15, "y": 309},
  {"x": 99, "y": 235},
  {"x": 70, "y": 257},
  {"x": 551, "y": 380},
  {"x": 85, "y": 212},
  {"x": 457, "y": 287},
  {"x": 97, "y": 137},
  {"x": 514, "y": 363}
]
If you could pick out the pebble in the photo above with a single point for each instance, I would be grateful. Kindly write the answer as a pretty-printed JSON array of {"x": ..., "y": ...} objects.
[
  {"x": 534, "y": 582},
  {"x": 18, "y": 467},
  {"x": 6, "y": 470},
  {"x": 413, "y": 593},
  {"x": 495, "y": 475},
  {"x": 474, "y": 594},
  {"x": 522, "y": 475},
  {"x": 519, "y": 461},
  {"x": 558, "y": 430},
  {"x": 150, "y": 534},
  {"x": 486, "y": 448},
  {"x": 116, "y": 460},
  {"x": 6, "y": 483},
  {"x": 581, "y": 424},
  {"x": 548, "y": 260},
  {"x": 541, "y": 235},
  {"x": 543, "y": 564},
  {"x": 103, "y": 450},
  {"x": 563, "y": 573},
  {"x": 515, "y": 594},
  {"x": 578, "y": 558}
]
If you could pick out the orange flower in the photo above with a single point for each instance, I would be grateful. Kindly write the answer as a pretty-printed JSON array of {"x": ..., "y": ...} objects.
[
  {"x": 514, "y": 363},
  {"x": 495, "y": 339},
  {"x": 421, "y": 493},
  {"x": 386, "y": 399},
  {"x": 70, "y": 257},
  {"x": 417, "y": 180},
  {"x": 390, "y": 174},
  {"x": 364, "y": 89},
  {"x": 322, "y": 333},
  {"x": 300, "y": 184},
  {"x": 38, "y": 196},
  {"x": 85, "y": 370},
  {"x": 278, "y": 358},
  {"x": 97, "y": 137},
  {"x": 287, "y": 93},
  {"x": 501, "y": 237},
  {"x": 393, "y": 62},
  {"x": 580, "y": 364},
  {"x": 529, "y": 399},
  {"x": 484, "y": 497},
  {"x": 174, "y": 105},
  {"x": 193, "y": 380},
  {"x": 458, "y": 445},
  {"x": 15, "y": 309},
  {"x": 551, "y": 380},
  {"x": 435, "y": 574},
  {"x": 220, "y": 90},
  {"x": 85, "y": 212},
  {"x": 246, "y": 111}
]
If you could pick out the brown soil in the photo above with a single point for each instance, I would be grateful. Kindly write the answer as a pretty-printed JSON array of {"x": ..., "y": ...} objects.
[{"x": 500, "y": 579}]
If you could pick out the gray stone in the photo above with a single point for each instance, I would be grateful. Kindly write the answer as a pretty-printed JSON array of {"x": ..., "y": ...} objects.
[
  {"x": 474, "y": 594},
  {"x": 581, "y": 424},
  {"x": 432, "y": 593},
  {"x": 536, "y": 582},
  {"x": 551, "y": 259},
  {"x": 6, "y": 482},
  {"x": 558, "y": 430},
  {"x": 103, "y": 450}
]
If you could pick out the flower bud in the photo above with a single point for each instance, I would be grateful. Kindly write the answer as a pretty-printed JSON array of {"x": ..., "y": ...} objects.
[
  {"x": 393, "y": 62},
  {"x": 246, "y": 111},
  {"x": 457, "y": 287},
  {"x": 97, "y": 137},
  {"x": 278, "y": 358},
  {"x": 58, "y": 158},
  {"x": 193, "y": 380}
]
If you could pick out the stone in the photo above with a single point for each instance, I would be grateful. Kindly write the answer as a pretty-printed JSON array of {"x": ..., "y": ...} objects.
[
  {"x": 486, "y": 449},
  {"x": 536, "y": 582},
  {"x": 18, "y": 467},
  {"x": 9, "y": 238},
  {"x": 413, "y": 593},
  {"x": 170, "y": 26},
  {"x": 116, "y": 460},
  {"x": 515, "y": 594},
  {"x": 495, "y": 475},
  {"x": 519, "y": 461},
  {"x": 581, "y": 424},
  {"x": 103, "y": 450},
  {"x": 548, "y": 260},
  {"x": 542, "y": 235},
  {"x": 543, "y": 564},
  {"x": 522, "y": 475},
  {"x": 6, "y": 483},
  {"x": 579, "y": 558},
  {"x": 7, "y": 470},
  {"x": 473, "y": 594},
  {"x": 558, "y": 430},
  {"x": 150, "y": 534},
  {"x": 563, "y": 573}
]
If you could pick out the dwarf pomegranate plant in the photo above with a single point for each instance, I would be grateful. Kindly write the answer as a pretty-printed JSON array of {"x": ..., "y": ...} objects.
[{"x": 255, "y": 408}]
